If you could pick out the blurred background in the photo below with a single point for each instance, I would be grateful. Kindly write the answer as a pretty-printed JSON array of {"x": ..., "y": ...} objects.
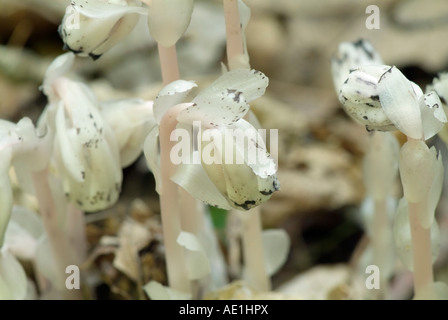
[{"x": 320, "y": 148}]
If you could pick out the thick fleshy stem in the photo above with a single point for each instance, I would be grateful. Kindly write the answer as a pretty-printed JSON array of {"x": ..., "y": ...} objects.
[
  {"x": 421, "y": 245},
  {"x": 169, "y": 205},
  {"x": 60, "y": 246},
  {"x": 253, "y": 253},
  {"x": 168, "y": 63},
  {"x": 381, "y": 243},
  {"x": 190, "y": 216},
  {"x": 257, "y": 277},
  {"x": 189, "y": 212},
  {"x": 421, "y": 249},
  {"x": 234, "y": 35}
]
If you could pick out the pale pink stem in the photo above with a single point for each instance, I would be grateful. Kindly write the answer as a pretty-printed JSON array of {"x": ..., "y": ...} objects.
[
  {"x": 234, "y": 35},
  {"x": 380, "y": 242},
  {"x": 421, "y": 249},
  {"x": 60, "y": 246},
  {"x": 168, "y": 63},
  {"x": 253, "y": 253},
  {"x": 169, "y": 205}
]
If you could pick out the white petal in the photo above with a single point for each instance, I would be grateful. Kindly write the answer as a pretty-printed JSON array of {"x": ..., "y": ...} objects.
[
  {"x": 197, "y": 262},
  {"x": 152, "y": 154},
  {"x": 252, "y": 83},
  {"x": 89, "y": 28},
  {"x": 440, "y": 85},
  {"x": 156, "y": 291},
  {"x": 106, "y": 9},
  {"x": 13, "y": 281},
  {"x": 250, "y": 143},
  {"x": 244, "y": 183},
  {"x": 57, "y": 68},
  {"x": 168, "y": 20},
  {"x": 172, "y": 94},
  {"x": 350, "y": 56},
  {"x": 400, "y": 103},
  {"x": 225, "y": 101},
  {"x": 70, "y": 152},
  {"x": 195, "y": 181},
  {"x": 359, "y": 98},
  {"x": 433, "y": 115},
  {"x": 276, "y": 245}
]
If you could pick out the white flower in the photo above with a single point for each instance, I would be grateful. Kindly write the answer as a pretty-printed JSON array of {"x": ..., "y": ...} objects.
[
  {"x": 382, "y": 98},
  {"x": 228, "y": 164},
  {"x": 91, "y": 27},
  {"x": 352, "y": 55},
  {"x": 85, "y": 150}
]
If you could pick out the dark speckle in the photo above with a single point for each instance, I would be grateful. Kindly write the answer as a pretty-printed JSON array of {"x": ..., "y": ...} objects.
[{"x": 246, "y": 205}]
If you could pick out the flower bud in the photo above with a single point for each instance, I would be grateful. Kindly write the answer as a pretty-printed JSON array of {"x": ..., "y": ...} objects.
[
  {"x": 359, "y": 97},
  {"x": 168, "y": 20},
  {"x": 241, "y": 168},
  {"x": 91, "y": 27},
  {"x": 350, "y": 56},
  {"x": 85, "y": 149}
]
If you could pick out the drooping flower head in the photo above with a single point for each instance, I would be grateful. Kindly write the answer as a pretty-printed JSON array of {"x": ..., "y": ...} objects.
[
  {"x": 85, "y": 150},
  {"x": 91, "y": 27},
  {"x": 227, "y": 164},
  {"x": 381, "y": 97}
]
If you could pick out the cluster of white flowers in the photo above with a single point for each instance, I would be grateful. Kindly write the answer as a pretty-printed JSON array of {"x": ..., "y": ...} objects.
[
  {"x": 82, "y": 143},
  {"x": 91, "y": 27},
  {"x": 383, "y": 99}
]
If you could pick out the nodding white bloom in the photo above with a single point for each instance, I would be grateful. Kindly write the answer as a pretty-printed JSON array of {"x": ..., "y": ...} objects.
[
  {"x": 130, "y": 120},
  {"x": 168, "y": 20},
  {"x": 22, "y": 147},
  {"x": 352, "y": 55},
  {"x": 382, "y": 98},
  {"x": 91, "y": 27},
  {"x": 85, "y": 150},
  {"x": 227, "y": 165}
]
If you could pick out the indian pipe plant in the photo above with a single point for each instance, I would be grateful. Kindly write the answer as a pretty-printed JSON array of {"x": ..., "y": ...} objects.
[
  {"x": 71, "y": 160},
  {"x": 382, "y": 99}
]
